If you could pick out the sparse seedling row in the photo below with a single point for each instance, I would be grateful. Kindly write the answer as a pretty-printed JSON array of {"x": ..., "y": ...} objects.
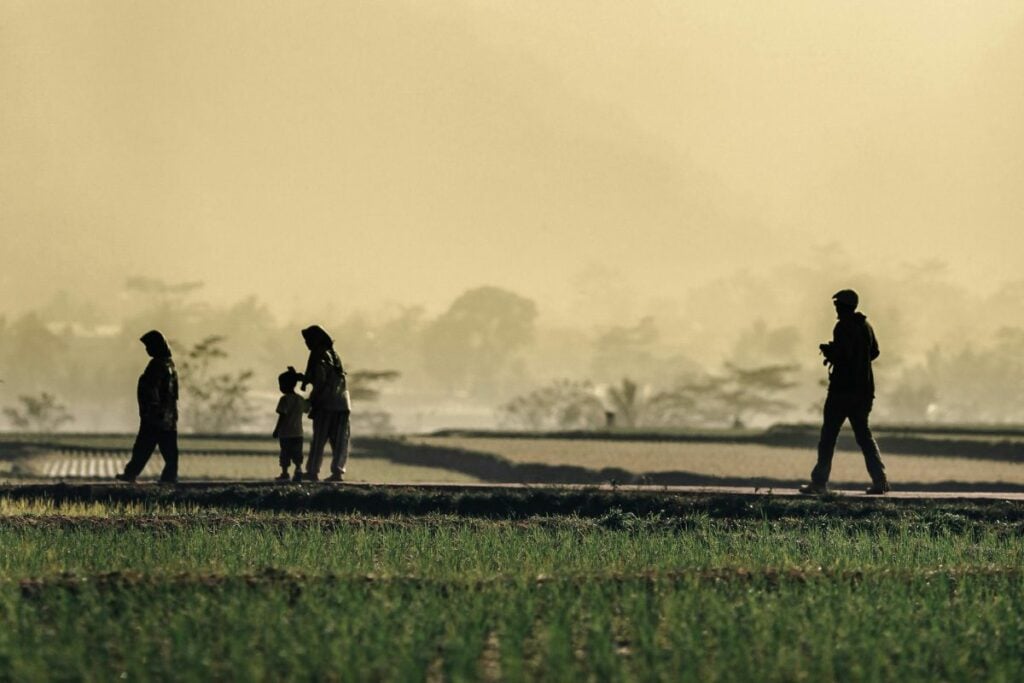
[{"x": 157, "y": 588}]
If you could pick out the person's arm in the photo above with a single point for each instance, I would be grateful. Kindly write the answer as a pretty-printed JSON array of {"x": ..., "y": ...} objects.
[
  {"x": 282, "y": 410},
  {"x": 837, "y": 350},
  {"x": 874, "y": 352}
]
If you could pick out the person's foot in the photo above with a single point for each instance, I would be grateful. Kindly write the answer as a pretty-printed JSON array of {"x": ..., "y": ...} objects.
[
  {"x": 297, "y": 477},
  {"x": 168, "y": 480},
  {"x": 311, "y": 477},
  {"x": 283, "y": 476},
  {"x": 878, "y": 488},
  {"x": 125, "y": 478},
  {"x": 335, "y": 476},
  {"x": 813, "y": 489}
]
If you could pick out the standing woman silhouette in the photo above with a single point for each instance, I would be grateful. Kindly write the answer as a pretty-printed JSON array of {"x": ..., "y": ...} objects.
[{"x": 330, "y": 406}]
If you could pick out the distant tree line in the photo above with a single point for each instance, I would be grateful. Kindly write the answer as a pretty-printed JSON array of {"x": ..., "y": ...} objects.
[
  {"x": 729, "y": 399},
  {"x": 740, "y": 351}
]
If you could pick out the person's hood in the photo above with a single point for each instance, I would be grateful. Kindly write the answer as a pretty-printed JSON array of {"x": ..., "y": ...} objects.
[
  {"x": 156, "y": 345},
  {"x": 317, "y": 337}
]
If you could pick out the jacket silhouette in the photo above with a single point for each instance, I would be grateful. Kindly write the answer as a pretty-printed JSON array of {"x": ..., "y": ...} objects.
[
  {"x": 157, "y": 394},
  {"x": 850, "y": 353}
]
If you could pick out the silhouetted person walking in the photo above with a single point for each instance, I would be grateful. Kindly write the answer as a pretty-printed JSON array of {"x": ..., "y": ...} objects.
[
  {"x": 158, "y": 412},
  {"x": 851, "y": 393},
  {"x": 330, "y": 407}
]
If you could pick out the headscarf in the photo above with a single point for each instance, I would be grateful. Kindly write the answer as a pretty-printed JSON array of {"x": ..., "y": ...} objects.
[
  {"x": 317, "y": 337},
  {"x": 156, "y": 345},
  {"x": 319, "y": 341}
]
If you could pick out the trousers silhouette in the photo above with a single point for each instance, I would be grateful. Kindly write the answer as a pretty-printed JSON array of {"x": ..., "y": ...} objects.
[
  {"x": 149, "y": 437},
  {"x": 332, "y": 426},
  {"x": 838, "y": 408}
]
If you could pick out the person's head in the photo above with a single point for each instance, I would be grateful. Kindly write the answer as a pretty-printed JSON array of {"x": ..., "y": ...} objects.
[
  {"x": 287, "y": 380},
  {"x": 317, "y": 338},
  {"x": 156, "y": 345},
  {"x": 845, "y": 301}
]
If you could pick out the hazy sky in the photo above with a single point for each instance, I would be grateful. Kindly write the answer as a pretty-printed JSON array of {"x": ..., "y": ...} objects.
[{"x": 404, "y": 151}]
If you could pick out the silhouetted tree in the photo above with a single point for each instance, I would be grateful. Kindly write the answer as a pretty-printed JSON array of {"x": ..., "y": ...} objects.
[
  {"x": 755, "y": 391},
  {"x": 470, "y": 345},
  {"x": 43, "y": 414},
  {"x": 563, "y": 404},
  {"x": 692, "y": 401},
  {"x": 214, "y": 402},
  {"x": 982, "y": 383},
  {"x": 362, "y": 387},
  {"x": 732, "y": 398},
  {"x": 626, "y": 402}
]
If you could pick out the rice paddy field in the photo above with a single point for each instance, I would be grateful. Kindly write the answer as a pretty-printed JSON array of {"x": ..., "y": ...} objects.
[
  {"x": 724, "y": 460},
  {"x": 328, "y": 583},
  {"x": 941, "y": 459},
  {"x": 220, "y": 579}
]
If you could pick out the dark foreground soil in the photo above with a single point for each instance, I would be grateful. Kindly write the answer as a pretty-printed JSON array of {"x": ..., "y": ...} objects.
[{"x": 510, "y": 502}]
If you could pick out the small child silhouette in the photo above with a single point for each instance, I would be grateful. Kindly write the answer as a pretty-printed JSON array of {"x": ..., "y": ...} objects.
[{"x": 288, "y": 431}]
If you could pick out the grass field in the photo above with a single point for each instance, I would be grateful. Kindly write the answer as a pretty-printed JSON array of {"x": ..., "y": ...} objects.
[{"x": 171, "y": 584}]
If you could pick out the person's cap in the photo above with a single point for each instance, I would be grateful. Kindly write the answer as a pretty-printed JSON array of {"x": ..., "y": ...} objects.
[{"x": 846, "y": 297}]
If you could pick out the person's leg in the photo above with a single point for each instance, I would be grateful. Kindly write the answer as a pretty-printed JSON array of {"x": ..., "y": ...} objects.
[
  {"x": 317, "y": 443},
  {"x": 284, "y": 458},
  {"x": 169, "y": 449},
  {"x": 295, "y": 450},
  {"x": 145, "y": 442},
  {"x": 297, "y": 459},
  {"x": 868, "y": 446},
  {"x": 834, "y": 414},
  {"x": 340, "y": 437},
  {"x": 291, "y": 453}
]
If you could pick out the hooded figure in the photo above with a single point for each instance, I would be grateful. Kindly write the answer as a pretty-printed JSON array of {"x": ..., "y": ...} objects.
[
  {"x": 158, "y": 385},
  {"x": 330, "y": 407},
  {"x": 851, "y": 393},
  {"x": 157, "y": 394}
]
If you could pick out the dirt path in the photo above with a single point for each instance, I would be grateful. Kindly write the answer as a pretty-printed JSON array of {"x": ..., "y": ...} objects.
[{"x": 98, "y": 487}]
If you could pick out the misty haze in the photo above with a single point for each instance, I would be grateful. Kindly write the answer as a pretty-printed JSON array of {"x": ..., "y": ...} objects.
[
  {"x": 509, "y": 218},
  {"x": 511, "y": 340}
]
